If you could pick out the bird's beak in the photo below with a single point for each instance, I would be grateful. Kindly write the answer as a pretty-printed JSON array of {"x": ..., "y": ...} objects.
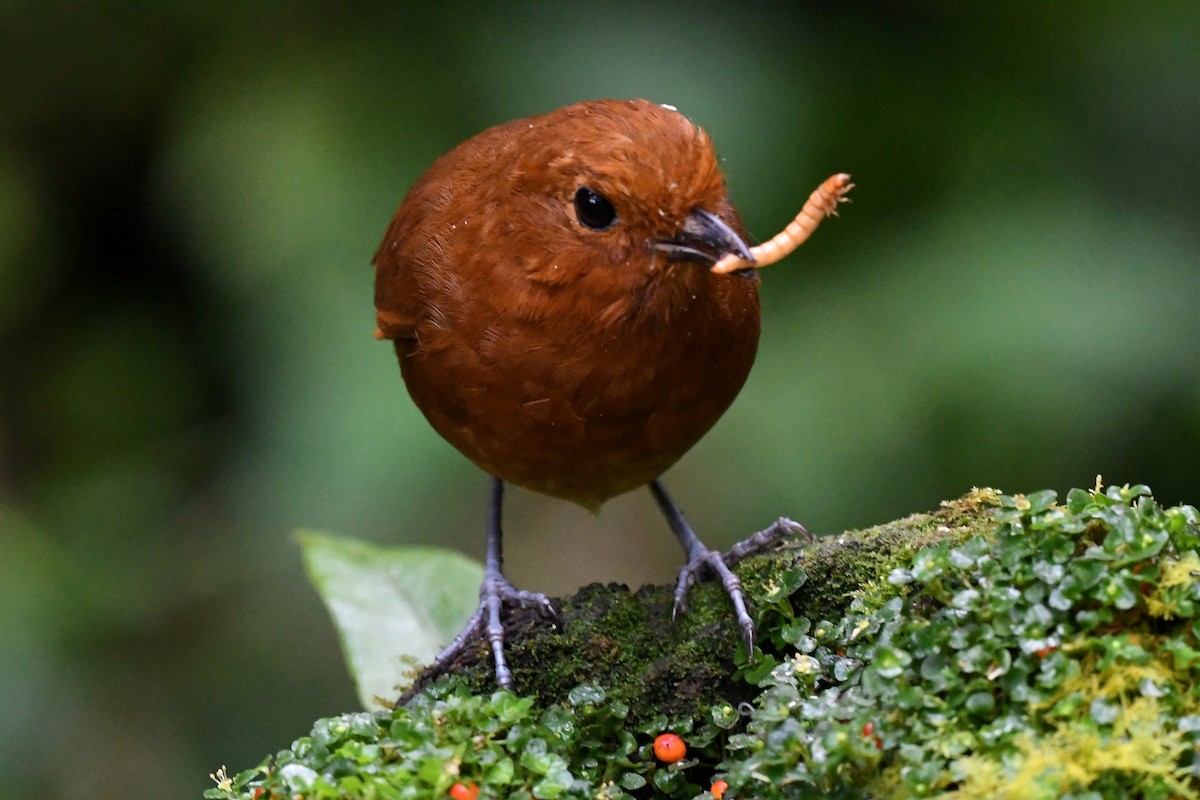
[{"x": 705, "y": 237}]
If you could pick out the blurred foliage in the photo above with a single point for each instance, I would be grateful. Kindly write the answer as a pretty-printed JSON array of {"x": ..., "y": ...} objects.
[{"x": 190, "y": 195}]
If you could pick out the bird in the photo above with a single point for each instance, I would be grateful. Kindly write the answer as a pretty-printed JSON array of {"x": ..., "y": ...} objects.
[{"x": 548, "y": 289}]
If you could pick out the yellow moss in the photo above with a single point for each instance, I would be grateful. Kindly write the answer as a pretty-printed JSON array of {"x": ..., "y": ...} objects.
[
  {"x": 1179, "y": 571},
  {"x": 1175, "y": 572},
  {"x": 984, "y": 778},
  {"x": 1117, "y": 682},
  {"x": 1074, "y": 756},
  {"x": 978, "y": 496},
  {"x": 887, "y": 783}
]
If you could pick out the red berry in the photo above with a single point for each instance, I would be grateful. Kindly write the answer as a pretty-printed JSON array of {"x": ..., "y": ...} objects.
[
  {"x": 718, "y": 789},
  {"x": 461, "y": 791},
  {"x": 868, "y": 729},
  {"x": 669, "y": 748}
]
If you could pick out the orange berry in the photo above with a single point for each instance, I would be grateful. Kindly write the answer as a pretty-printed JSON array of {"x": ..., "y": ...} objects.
[
  {"x": 718, "y": 789},
  {"x": 461, "y": 791},
  {"x": 669, "y": 748}
]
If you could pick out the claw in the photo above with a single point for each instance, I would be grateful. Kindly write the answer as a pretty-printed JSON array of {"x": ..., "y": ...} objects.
[
  {"x": 704, "y": 560},
  {"x": 701, "y": 560},
  {"x": 781, "y": 528},
  {"x": 495, "y": 594}
]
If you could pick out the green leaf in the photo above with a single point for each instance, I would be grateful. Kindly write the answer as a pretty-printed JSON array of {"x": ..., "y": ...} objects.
[
  {"x": 757, "y": 674},
  {"x": 632, "y": 780},
  {"x": 980, "y": 701},
  {"x": 1041, "y": 501},
  {"x": 389, "y": 604},
  {"x": 586, "y": 694},
  {"x": 724, "y": 716},
  {"x": 891, "y": 661}
]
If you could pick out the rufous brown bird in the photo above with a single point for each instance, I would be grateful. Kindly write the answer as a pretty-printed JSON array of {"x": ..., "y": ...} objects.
[{"x": 548, "y": 288}]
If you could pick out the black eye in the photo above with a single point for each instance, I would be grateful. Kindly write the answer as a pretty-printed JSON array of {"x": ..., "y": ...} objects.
[{"x": 593, "y": 210}]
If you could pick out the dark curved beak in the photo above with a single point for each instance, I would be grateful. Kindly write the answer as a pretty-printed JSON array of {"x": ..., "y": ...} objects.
[{"x": 705, "y": 237}]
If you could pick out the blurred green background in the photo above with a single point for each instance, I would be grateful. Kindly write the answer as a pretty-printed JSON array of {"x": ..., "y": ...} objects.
[{"x": 190, "y": 195}]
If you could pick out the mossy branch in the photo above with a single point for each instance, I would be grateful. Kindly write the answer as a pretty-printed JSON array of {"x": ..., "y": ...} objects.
[
  {"x": 628, "y": 642},
  {"x": 999, "y": 647}
]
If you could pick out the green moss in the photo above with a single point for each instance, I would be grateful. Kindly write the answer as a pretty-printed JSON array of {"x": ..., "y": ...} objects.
[{"x": 998, "y": 647}]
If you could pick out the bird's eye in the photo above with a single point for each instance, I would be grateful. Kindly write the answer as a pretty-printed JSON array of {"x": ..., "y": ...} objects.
[{"x": 593, "y": 210}]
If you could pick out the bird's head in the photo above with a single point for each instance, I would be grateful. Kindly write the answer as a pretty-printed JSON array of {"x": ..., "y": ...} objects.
[{"x": 631, "y": 188}]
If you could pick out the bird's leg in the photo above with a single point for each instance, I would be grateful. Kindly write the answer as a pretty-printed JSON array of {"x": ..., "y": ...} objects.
[
  {"x": 495, "y": 592},
  {"x": 700, "y": 558}
]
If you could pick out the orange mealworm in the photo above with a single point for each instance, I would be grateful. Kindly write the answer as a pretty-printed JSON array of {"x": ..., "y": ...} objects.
[{"x": 820, "y": 204}]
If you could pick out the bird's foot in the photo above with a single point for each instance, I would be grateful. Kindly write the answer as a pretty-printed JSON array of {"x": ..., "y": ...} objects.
[
  {"x": 702, "y": 562},
  {"x": 781, "y": 528},
  {"x": 495, "y": 593}
]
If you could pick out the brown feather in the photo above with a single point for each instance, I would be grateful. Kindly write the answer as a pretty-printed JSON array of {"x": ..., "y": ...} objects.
[{"x": 576, "y": 362}]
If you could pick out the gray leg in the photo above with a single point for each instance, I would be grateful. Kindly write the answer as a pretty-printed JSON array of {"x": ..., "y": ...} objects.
[
  {"x": 494, "y": 593},
  {"x": 701, "y": 559}
]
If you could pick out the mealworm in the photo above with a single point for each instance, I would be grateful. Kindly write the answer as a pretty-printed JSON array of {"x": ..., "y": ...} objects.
[{"x": 820, "y": 204}]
